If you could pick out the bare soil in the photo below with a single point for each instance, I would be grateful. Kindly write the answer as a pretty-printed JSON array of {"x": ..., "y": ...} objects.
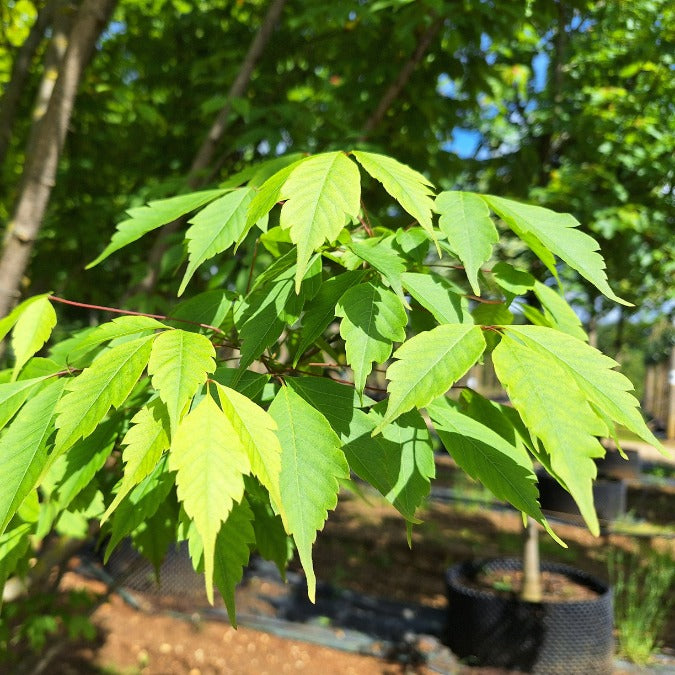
[
  {"x": 555, "y": 587},
  {"x": 135, "y": 643},
  {"x": 363, "y": 548}
]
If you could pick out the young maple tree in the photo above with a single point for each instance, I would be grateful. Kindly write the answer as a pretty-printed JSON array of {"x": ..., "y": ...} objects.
[{"x": 238, "y": 416}]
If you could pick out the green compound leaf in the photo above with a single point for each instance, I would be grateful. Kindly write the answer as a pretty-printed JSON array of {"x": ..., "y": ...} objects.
[
  {"x": 399, "y": 462},
  {"x": 322, "y": 192},
  {"x": 154, "y": 536},
  {"x": 9, "y": 321},
  {"x": 268, "y": 195},
  {"x": 381, "y": 254},
  {"x": 13, "y": 546},
  {"x": 559, "y": 312},
  {"x": 31, "y": 331},
  {"x": 556, "y": 411},
  {"x": 210, "y": 474},
  {"x": 232, "y": 551},
  {"x": 513, "y": 280},
  {"x": 73, "y": 472},
  {"x": 144, "y": 219},
  {"x": 311, "y": 466},
  {"x": 337, "y": 402},
  {"x": 428, "y": 365},
  {"x": 504, "y": 467},
  {"x": 546, "y": 232},
  {"x": 373, "y": 318},
  {"x": 271, "y": 540},
  {"x": 407, "y": 186},
  {"x": 255, "y": 430},
  {"x": 269, "y": 308},
  {"x": 210, "y": 307},
  {"x": 145, "y": 442},
  {"x": 140, "y": 504},
  {"x": 607, "y": 389},
  {"x": 23, "y": 449},
  {"x": 439, "y": 296},
  {"x": 13, "y": 395},
  {"x": 320, "y": 312},
  {"x": 179, "y": 365},
  {"x": 215, "y": 228},
  {"x": 123, "y": 326},
  {"x": 465, "y": 218},
  {"x": 107, "y": 382}
]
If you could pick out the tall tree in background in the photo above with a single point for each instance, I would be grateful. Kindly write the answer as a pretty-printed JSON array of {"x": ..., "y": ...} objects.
[
  {"x": 308, "y": 91},
  {"x": 20, "y": 71},
  {"x": 433, "y": 67},
  {"x": 580, "y": 112},
  {"x": 44, "y": 150}
]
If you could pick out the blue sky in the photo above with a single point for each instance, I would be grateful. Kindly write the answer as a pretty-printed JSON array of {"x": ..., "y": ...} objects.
[{"x": 464, "y": 142}]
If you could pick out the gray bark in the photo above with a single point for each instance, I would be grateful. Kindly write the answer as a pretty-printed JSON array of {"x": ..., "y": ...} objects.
[
  {"x": 42, "y": 163},
  {"x": 19, "y": 76},
  {"x": 64, "y": 16}
]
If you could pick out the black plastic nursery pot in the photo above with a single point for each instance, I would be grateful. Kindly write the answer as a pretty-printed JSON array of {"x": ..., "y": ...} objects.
[
  {"x": 613, "y": 465},
  {"x": 609, "y": 497},
  {"x": 486, "y": 628}
]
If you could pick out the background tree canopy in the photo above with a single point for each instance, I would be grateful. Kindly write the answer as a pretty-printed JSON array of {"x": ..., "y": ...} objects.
[
  {"x": 566, "y": 103},
  {"x": 255, "y": 158}
]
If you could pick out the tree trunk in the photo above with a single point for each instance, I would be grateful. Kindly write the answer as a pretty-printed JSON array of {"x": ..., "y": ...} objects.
[
  {"x": 531, "y": 591},
  {"x": 41, "y": 165},
  {"x": 64, "y": 16},
  {"x": 205, "y": 154},
  {"x": 19, "y": 76}
]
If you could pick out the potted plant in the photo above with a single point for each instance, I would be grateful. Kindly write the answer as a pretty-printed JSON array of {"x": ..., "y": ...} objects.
[
  {"x": 517, "y": 614},
  {"x": 230, "y": 420}
]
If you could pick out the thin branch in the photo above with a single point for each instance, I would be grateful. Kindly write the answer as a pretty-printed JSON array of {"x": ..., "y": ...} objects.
[
  {"x": 455, "y": 267},
  {"x": 250, "y": 272},
  {"x": 365, "y": 220},
  {"x": 129, "y": 312},
  {"x": 404, "y": 75},
  {"x": 205, "y": 154},
  {"x": 485, "y": 301},
  {"x": 67, "y": 371},
  {"x": 365, "y": 225},
  {"x": 335, "y": 379}
]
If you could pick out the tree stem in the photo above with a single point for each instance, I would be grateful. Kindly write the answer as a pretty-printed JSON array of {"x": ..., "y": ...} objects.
[
  {"x": 129, "y": 312},
  {"x": 19, "y": 76},
  {"x": 532, "y": 590},
  {"x": 402, "y": 79},
  {"x": 42, "y": 163},
  {"x": 204, "y": 156}
]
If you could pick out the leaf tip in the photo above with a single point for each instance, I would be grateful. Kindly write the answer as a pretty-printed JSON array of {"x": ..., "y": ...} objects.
[{"x": 183, "y": 285}]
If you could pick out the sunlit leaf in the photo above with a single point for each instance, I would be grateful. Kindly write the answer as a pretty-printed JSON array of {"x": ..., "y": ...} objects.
[
  {"x": 466, "y": 220},
  {"x": 312, "y": 463},
  {"x": 428, "y": 365}
]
